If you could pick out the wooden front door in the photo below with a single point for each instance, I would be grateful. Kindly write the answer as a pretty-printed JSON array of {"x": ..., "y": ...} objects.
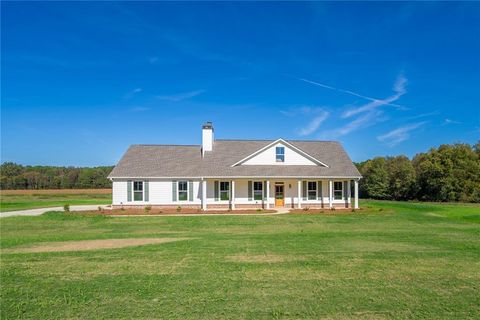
[{"x": 279, "y": 195}]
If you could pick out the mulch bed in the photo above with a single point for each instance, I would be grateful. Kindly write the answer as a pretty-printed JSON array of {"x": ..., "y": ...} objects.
[
  {"x": 159, "y": 212},
  {"x": 324, "y": 211}
]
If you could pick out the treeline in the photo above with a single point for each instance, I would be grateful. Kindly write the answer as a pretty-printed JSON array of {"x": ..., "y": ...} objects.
[
  {"x": 447, "y": 173},
  {"x": 15, "y": 176}
]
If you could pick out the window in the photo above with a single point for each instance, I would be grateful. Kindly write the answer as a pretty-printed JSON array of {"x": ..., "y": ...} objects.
[
  {"x": 257, "y": 190},
  {"x": 137, "y": 190},
  {"x": 280, "y": 154},
  {"x": 182, "y": 190},
  {"x": 338, "y": 190},
  {"x": 224, "y": 190},
  {"x": 312, "y": 190}
]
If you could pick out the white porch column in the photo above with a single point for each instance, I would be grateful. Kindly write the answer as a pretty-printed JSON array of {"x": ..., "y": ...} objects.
[
  {"x": 268, "y": 195},
  {"x": 299, "y": 195},
  {"x": 349, "y": 194},
  {"x": 232, "y": 200},
  {"x": 330, "y": 192},
  {"x": 356, "y": 194},
  {"x": 204, "y": 194}
]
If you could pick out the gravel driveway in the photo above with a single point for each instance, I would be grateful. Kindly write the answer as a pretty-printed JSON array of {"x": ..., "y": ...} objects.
[{"x": 39, "y": 211}]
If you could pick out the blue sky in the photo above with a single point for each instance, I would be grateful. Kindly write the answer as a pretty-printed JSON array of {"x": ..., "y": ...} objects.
[{"x": 82, "y": 81}]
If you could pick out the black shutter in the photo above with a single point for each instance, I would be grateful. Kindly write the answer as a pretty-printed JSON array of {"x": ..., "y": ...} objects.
[
  {"x": 304, "y": 190},
  {"x": 216, "y": 193},
  {"x": 174, "y": 191},
  {"x": 250, "y": 191}
]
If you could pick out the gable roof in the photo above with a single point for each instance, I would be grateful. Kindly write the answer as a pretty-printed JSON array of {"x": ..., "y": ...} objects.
[
  {"x": 174, "y": 161},
  {"x": 306, "y": 155}
]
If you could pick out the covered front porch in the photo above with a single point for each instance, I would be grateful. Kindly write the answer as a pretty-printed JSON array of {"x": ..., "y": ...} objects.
[{"x": 278, "y": 193}]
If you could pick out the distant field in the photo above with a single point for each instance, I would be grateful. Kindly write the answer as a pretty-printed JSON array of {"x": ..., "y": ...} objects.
[
  {"x": 391, "y": 260},
  {"x": 11, "y": 200}
]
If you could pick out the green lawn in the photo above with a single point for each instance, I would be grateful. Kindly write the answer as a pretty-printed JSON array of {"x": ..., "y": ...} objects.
[
  {"x": 13, "y": 202},
  {"x": 390, "y": 261}
]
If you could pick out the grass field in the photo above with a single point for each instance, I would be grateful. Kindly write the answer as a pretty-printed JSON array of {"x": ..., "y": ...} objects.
[
  {"x": 11, "y": 200},
  {"x": 389, "y": 261}
]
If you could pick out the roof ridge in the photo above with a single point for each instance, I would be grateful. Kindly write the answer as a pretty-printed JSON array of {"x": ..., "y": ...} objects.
[
  {"x": 293, "y": 140},
  {"x": 166, "y": 145}
]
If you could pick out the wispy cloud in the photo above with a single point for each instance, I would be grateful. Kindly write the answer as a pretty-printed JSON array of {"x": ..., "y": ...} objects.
[
  {"x": 314, "y": 124},
  {"x": 450, "y": 121},
  {"x": 366, "y": 120},
  {"x": 423, "y": 115},
  {"x": 398, "y": 88},
  {"x": 132, "y": 93},
  {"x": 350, "y": 92},
  {"x": 181, "y": 96},
  {"x": 398, "y": 135},
  {"x": 315, "y": 115}
]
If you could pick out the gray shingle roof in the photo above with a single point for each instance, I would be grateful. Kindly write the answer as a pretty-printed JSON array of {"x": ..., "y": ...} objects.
[{"x": 142, "y": 161}]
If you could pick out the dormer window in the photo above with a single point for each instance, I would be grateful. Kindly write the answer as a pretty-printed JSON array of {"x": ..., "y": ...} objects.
[{"x": 280, "y": 154}]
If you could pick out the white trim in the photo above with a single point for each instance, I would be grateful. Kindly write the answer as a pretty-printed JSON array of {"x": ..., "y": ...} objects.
[
  {"x": 342, "y": 190},
  {"x": 229, "y": 191},
  {"x": 349, "y": 192},
  {"x": 133, "y": 191},
  {"x": 253, "y": 190},
  {"x": 284, "y": 142},
  {"x": 244, "y": 177},
  {"x": 267, "y": 187},
  {"x": 178, "y": 191},
  {"x": 232, "y": 194},
  {"x": 299, "y": 193},
  {"x": 277, "y": 154},
  {"x": 316, "y": 190},
  {"x": 330, "y": 194},
  {"x": 204, "y": 194},
  {"x": 356, "y": 194}
]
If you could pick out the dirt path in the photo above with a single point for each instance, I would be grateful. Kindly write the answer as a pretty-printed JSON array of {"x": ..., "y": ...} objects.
[{"x": 85, "y": 245}]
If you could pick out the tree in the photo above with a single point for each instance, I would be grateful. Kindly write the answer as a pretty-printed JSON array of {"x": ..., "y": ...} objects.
[
  {"x": 15, "y": 176},
  {"x": 402, "y": 178},
  {"x": 375, "y": 181}
]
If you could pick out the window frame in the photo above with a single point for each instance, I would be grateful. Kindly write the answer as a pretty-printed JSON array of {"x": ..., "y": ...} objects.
[
  {"x": 142, "y": 184},
  {"x": 280, "y": 157},
  {"x": 182, "y": 191},
  {"x": 261, "y": 190},
  {"x": 315, "y": 194},
  {"x": 338, "y": 190},
  {"x": 220, "y": 191}
]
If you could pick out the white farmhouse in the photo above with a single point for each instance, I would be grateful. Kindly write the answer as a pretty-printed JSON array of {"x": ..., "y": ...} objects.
[{"x": 236, "y": 174}]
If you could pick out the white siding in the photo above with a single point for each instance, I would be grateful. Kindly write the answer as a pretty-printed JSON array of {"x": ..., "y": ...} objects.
[
  {"x": 119, "y": 192},
  {"x": 267, "y": 157},
  {"x": 160, "y": 192}
]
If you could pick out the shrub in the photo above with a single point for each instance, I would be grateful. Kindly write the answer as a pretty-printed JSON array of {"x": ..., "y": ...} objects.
[
  {"x": 122, "y": 208},
  {"x": 353, "y": 210},
  {"x": 147, "y": 209},
  {"x": 66, "y": 208},
  {"x": 259, "y": 210},
  {"x": 306, "y": 208},
  {"x": 99, "y": 208},
  {"x": 179, "y": 209},
  {"x": 333, "y": 209}
]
